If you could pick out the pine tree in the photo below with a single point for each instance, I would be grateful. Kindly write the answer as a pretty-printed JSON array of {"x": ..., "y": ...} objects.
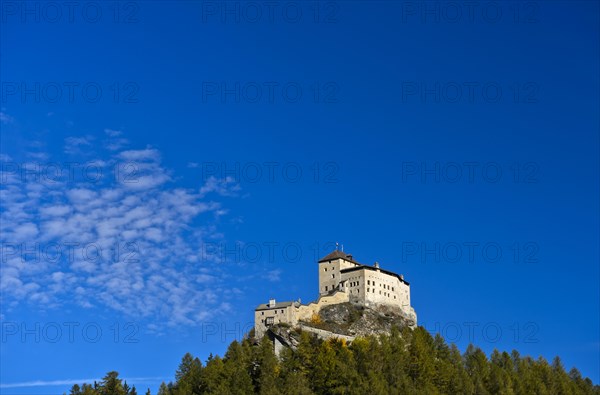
[
  {"x": 292, "y": 377},
  {"x": 346, "y": 378},
  {"x": 306, "y": 352},
  {"x": 267, "y": 369},
  {"x": 236, "y": 369},
  {"x": 478, "y": 369},
  {"x": 111, "y": 385},
  {"x": 188, "y": 376},
  {"x": 396, "y": 362},
  {"x": 323, "y": 372},
  {"x": 421, "y": 368},
  {"x": 361, "y": 349},
  {"x": 185, "y": 367},
  {"x": 461, "y": 381},
  {"x": 214, "y": 380},
  {"x": 500, "y": 381},
  {"x": 561, "y": 384},
  {"x": 87, "y": 389},
  {"x": 163, "y": 389}
]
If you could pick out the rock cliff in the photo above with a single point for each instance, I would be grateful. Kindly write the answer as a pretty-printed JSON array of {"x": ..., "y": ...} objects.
[{"x": 346, "y": 320}]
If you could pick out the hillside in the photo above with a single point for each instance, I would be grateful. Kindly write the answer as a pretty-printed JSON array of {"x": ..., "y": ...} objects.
[{"x": 401, "y": 362}]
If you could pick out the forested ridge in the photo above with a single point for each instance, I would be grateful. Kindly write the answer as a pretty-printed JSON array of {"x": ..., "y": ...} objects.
[{"x": 403, "y": 362}]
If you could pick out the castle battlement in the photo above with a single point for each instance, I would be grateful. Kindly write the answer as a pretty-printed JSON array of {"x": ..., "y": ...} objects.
[{"x": 341, "y": 280}]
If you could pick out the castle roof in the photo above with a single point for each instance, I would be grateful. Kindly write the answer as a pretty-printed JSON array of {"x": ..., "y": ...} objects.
[
  {"x": 278, "y": 305},
  {"x": 338, "y": 255}
]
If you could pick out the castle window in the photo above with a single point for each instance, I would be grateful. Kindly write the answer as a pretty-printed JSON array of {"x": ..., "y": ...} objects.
[
  {"x": 368, "y": 289},
  {"x": 333, "y": 276},
  {"x": 262, "y": 313},
  {"x": 394, "y": 296},
  {"x": 326, "y": 287},
  {"x": 392, "y": 289},
  {"x": 281, "y": 311},
  {"x": 270, "y": 321},
  {"x": 368, "y": 282}
]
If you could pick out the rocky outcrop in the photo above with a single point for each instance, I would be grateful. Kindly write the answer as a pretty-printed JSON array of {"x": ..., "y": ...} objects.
[
  {"x": 356, "y": 320},
  {"x": 344, "y": 320}
]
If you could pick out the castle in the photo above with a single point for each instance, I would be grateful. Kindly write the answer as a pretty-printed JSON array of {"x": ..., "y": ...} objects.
[{"x": 341, "y": 280}]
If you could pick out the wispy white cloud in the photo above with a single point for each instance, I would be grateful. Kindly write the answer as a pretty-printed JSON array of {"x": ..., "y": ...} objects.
[
  {"x": 114, "y": 142},
  {"x": 147, "y": 154},
  {"x": 40, "y": 156},
  {"x": 51, "y": 383},
  {"x": 75, "y": 145},
  {"x": 112, "y": 132},
  {"x": 273, "y": 275},
  {"x": 5, "y": 118},
  {"x": 129, "y": 240},
  {"x": 221, "y": 186}
]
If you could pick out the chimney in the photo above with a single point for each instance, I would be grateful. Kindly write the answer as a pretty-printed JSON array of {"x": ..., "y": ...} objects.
[
  {"x": 376, "y": 265},
  {"x": 349, "y": 256},
  {"x": 271, "y": 302}
]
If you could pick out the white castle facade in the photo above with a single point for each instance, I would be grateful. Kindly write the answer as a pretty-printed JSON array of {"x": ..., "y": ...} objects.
[{"x": 341, "y": 280}]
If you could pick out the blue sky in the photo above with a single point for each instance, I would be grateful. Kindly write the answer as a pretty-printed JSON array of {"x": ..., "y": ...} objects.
[{"x": 166, "y": 167}]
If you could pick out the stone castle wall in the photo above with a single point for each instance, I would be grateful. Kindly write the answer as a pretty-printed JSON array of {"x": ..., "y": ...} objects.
[{"x": 306, "y": 312}]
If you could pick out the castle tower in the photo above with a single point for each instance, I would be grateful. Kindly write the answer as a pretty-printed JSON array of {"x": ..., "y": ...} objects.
[{"x": 330, "y": 270}]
